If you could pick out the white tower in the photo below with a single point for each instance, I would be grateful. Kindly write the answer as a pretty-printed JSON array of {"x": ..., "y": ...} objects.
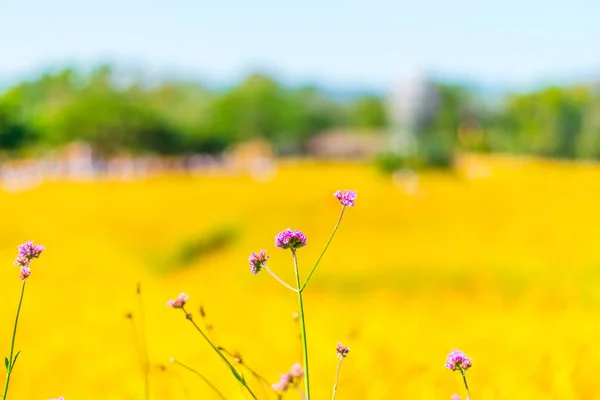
[{"x": 412, "y": 102}]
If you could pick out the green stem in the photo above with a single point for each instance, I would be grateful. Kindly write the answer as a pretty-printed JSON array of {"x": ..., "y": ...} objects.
[
  {"x": 201, "y": 376},
  {"x": 233, "y": 370},
  {"x": 465, "y": 381},
  {"x": 258, "y": 376},
  {"x": 280, "y": 280},
  {"x": 303, "y": 328},
  {"x": 12, "y": 343},
  {"x": 146, "y": 361},
  {"x": 325, "y": 249},
  {"x": 337, "y": 377}
]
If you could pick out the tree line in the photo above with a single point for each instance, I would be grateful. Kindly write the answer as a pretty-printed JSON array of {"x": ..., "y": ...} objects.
[
  {"x": 118, "y": 113},
  {"x": 114, "y": 114}
]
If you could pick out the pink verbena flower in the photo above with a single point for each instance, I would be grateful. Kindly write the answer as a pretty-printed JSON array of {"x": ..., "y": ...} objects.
[
  {"x": 21, "y": 261},
  {"x": 296, "y": 371},
  {"x": 25, "y": 272},
  {"x": 346, "y": 197},
  {"x": 292, "y": 377},
  {"x": 179, "y": 302},
  {"x": 290, "y": 239},
  {"x": 342, "y": 351},
  {"x": 458, "y": 361},
  {"x": 257, "y": 261},
  {"x": 29, "y": 250},
  {"x": 283, "y": 384}
]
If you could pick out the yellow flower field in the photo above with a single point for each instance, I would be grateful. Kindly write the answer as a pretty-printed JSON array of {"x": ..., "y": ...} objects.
[{"x": 502, "y": 263}]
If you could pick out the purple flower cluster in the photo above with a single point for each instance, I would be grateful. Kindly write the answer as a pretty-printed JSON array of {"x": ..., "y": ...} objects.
[
  {"x": 290, "y": 239},
  {"x": 458, "y": 361},
  {"x": 342, "y": 351},
  {"x": 289, "y": 378},
  {"x": 27, "y": 252},
  {"x": 257, "y": 261},
  {"x": 179, "y": 302},
  {"x": 346, "y": 197}
]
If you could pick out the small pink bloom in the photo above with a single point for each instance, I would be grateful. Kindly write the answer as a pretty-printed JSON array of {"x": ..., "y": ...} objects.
[
  {"x": 30, "y": 250},
  {"x": 25, "y": 272},
  {"x": 21, "y": 261},
  {"x": 347, "y": 197},
  {"x": 179, "y": 302},
  {"x": 290, "y": 239},
  {"x": 283, "y": 384},
  {"x": 258, "y": 261},
  {"x": 296, "y": 371},
  {"x": 27, "y": 252},
  {"x": 342, "y": 351},
  {"x": 458, "y": 361},
  {"x": 455, "y": 397}
]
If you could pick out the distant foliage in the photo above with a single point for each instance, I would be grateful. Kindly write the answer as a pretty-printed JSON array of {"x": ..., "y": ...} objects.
[{"x": 117, "y": 113}]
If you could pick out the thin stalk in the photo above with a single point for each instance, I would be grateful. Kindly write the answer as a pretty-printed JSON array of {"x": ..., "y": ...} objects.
[
  {"x": 233, "y": 370},
  {"x": 146, "y": 356},
  {"x": 303, "y": 327},
  {"x": 201, "y": 376},
  {"x": 258, "y": 376},
  {"x": 325, "y": 249},
  {"x": 11, "y": 362},
  {"x": 210, "y": 332},
  {"x": 280, "y": 280},
  {"x": 302, "y": 397},
  {"x": 465, "y": 381},
  {"x": 137, "y": 341},
  {"x": 337, "y": 377},
  {"x": 298, "y": 333}
]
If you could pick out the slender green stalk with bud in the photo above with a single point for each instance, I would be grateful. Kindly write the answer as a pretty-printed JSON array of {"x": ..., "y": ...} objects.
[
  {"x": 27, "y": 252},
  {"x": 198, "y": 374},
  {"x": 342, "y": 351},
  {"x": 180, "y": 302},
  {"x": 294, "y": 240},
  {"x": 459, "y": 361}
]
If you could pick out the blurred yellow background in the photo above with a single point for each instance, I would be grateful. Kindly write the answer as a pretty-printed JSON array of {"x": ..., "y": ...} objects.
[{"x": 502, "y": 265}]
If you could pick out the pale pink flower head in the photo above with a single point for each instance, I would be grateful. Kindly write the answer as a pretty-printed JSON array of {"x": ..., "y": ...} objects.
[
  {"x": 346, "y": 197},
  {"x": 258, "y": 261},
  {"x": 342, "y": 351},
  {"x": 30, "y": 250},
  {"x": 27, "y": 252},
  {"x": 290, "y": 239},
  {"x": 283, "y": 384},
  {"x": 179, "y": 302},
  {"x": 21, "y": 261},
  {"x": 455, "y": 397},
  {"x": 458, "y": 361},
  {"x": 296, "y": 371},
  {"x": 25, "y": 272}
]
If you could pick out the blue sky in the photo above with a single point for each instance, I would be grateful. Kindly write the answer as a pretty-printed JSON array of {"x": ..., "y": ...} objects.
[{"x": 368, "y": 42}]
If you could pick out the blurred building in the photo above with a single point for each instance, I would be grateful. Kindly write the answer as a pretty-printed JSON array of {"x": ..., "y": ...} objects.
[
  {"x": 348, "y": 144},
  {"x": 255, "y": 157}
]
